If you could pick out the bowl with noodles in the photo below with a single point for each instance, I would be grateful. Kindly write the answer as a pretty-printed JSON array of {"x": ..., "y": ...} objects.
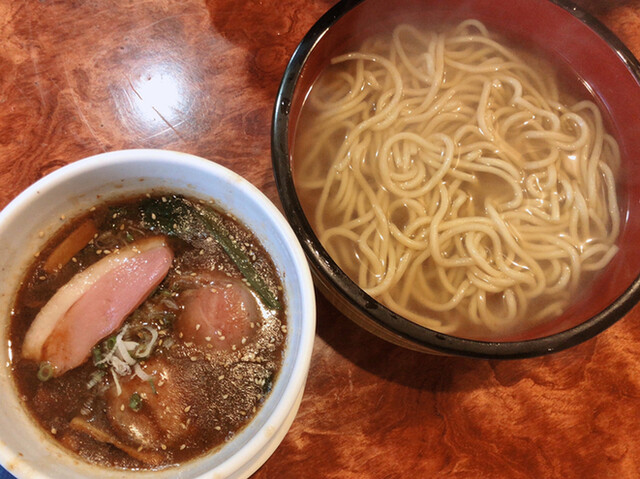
[{"x": 462, "y": 174}]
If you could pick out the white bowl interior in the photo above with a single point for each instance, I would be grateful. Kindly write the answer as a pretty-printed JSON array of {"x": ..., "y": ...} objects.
[{"x": 28, "y": 221}]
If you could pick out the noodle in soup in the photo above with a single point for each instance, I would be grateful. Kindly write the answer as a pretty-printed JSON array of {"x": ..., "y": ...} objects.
[{"x": 451, "y": 178}]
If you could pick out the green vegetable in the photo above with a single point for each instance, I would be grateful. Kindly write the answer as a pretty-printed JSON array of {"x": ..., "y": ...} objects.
[
  {"x": 96, "y": 353},
  {"x": 110, "y": 343},
  {"x": 268, "y": 384},
  {"x": 177, "y": 216},
  {"x": 153, "y": 386},
  {"x": 45, "y": 371},
  {"x": 135, "y": 402}
]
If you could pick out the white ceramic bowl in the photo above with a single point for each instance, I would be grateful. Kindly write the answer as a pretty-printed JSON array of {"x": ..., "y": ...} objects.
[{"x": 25, "y": 450}]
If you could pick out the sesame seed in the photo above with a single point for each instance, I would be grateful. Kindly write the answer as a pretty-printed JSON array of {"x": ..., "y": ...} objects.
[
  {"x": 93, "y": 208},
  {"x": 114, "y": 216},
  {"x": 182, "y": 446},
  {"x": 197, "y": 326},
  {"x": 187, "y": 409},
  {"x": 193, "y": 358},
  {"x": 221, "y": 377},
  {"x": 42, "y": 278},
  {"x": 54, "y": 430},
  {"x": 62, "y": 217},
  {"x": 41, "y": 234},
  {"x": 99, "y": 251},
  {"x": 207, "y": 338},
  {"x": 122, "y": 407},
  {"x": 225, "y": 396},
  {"x": 107, "y": 251},
  {"x": 244, "y": 340},
  {"x": 221, "y": 338},
  {"x": 74, "y": 259},
  {"x": 164, "y": 199},
  {"x": 139, "y": 448},
  {"x": 163, "y": 446},
  {"x": 153, "y": 216},
  {"x": 217, "y": 428}
]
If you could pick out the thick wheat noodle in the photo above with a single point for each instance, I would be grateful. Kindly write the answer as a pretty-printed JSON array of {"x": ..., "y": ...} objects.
[{"x": 452, "y": 183}]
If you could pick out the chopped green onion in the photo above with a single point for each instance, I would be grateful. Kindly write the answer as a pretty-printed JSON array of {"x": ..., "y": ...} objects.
[
  {"x": 268, "y": 384},
  {"x": 129, "y": 237},
  {"x": 153, "y": 386},
  {"x": 45, "y": 371},
  {"x": 135, "y": 402},
  {"x": 110, "y": 343},
  {"x": 96, "y": 353}
]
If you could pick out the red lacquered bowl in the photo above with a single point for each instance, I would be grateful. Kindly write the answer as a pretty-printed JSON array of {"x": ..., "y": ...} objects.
[{"x": 573, "y": 40}]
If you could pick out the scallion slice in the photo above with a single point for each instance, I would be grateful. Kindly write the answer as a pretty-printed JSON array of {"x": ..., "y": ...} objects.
[
  {"x": 135, "y": 402},
  {"x": 45, "y": 371}
]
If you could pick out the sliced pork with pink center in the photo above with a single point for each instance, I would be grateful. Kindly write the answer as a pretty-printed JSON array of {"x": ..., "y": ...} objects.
[
  {"x": 95, "y": 302},
  {"x": 220, "y": 315}
]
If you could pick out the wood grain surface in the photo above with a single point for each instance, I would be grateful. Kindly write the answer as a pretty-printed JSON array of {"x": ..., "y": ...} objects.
[{"x": 79, "y": 77}]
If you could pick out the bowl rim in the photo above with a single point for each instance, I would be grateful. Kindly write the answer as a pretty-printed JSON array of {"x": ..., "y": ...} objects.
[
  {"x": 254, "y": 450},
  {"x": 419, "y": 337}
]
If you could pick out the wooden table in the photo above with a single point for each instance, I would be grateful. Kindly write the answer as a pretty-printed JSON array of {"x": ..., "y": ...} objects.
[{"x": 84, "y": 77}]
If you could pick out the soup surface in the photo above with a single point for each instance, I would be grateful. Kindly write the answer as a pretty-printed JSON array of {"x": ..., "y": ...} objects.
[
  {"x": 453, "y": 178},
  {"x": 148, "y": 331}
]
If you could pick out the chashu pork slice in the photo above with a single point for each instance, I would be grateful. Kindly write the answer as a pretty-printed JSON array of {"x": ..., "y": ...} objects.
[
  {"x": 95, "y": 302},
  {"x": 220, "y": 315}
]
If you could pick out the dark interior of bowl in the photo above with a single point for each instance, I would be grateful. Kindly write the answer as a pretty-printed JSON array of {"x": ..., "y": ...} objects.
[{"x": 574, "y": 40}]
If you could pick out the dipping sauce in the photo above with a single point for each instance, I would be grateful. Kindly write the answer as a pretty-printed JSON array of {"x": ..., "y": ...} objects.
[{"x": 148, "y": 332}]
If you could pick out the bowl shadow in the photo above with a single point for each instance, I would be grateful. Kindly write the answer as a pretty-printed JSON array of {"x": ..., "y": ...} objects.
[{"x": 431, "y": 372}]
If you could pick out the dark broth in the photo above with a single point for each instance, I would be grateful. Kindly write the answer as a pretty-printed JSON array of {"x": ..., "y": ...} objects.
[{"x": 225, "y": 386}]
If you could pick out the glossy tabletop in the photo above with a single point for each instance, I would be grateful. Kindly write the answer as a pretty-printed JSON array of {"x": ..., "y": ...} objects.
[{"x": 83, "y": 77}]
